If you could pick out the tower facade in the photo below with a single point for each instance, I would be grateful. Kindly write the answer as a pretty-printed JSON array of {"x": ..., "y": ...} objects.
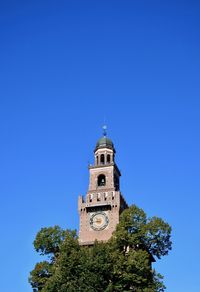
[{"x": 100, "y": 210}]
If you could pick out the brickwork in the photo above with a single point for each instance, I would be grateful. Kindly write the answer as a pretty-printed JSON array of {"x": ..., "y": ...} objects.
[{"x": 104, "y": 201}]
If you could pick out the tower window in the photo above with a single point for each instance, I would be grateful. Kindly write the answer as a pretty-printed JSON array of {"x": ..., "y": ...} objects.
[
  {"x": 97, "y": 160},
  {"x": 101, "y": 180},
  {"x": 108, "y": 158},
  {"x": 102, "y": 159}
]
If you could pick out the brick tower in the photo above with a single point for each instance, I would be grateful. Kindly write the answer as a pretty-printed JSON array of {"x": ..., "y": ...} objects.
[{"x": 99, "y": 212}]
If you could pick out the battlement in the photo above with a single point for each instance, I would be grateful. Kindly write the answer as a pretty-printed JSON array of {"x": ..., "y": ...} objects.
[{"x": 112, "y": 198}]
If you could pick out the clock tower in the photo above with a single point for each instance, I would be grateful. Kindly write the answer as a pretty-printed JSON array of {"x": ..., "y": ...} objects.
[{"x": 99, "y": 212}]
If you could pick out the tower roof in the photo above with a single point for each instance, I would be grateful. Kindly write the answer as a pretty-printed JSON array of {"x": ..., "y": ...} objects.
[{"x": 104, "y": 142}]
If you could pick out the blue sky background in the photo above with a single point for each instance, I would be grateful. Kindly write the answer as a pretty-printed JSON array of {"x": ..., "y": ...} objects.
[{"x": 65, "y": 66}]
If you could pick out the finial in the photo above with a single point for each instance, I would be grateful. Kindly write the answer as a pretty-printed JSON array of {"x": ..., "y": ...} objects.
[{"x": 104, "y": 130}]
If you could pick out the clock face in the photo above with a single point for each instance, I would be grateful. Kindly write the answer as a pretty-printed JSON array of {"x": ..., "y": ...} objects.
[{"x": 99, "y": 220}]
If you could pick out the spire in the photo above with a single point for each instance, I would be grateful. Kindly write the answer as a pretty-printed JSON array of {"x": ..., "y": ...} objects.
[{"x": 104, "y": 131}]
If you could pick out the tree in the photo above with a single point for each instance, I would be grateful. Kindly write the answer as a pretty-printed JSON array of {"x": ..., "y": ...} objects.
[
  {"x": 41, "y": 273},
  {"x": 48, "y": 241},
  {"x": 137, "y": 231},
  {"x": 134, "y": 244},
  {"x": 121, "y": 264}
]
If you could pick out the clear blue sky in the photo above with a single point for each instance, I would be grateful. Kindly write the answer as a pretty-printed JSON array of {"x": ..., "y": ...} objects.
[{"x": 64, "y": 67}]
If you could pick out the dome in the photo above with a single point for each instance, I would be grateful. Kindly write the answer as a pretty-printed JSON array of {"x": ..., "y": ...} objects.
[{"x": 104, "y": 142}]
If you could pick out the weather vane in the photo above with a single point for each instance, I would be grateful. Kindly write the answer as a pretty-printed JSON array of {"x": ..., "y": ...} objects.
[{"x": 104, "y": 130}]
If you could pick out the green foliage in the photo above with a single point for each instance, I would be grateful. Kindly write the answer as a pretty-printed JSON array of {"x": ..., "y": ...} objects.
[
  {"x": 39, "y": 276},
  {"x": 121, "y": 264},
  {"x": 48, "y": 241},
  {"x": 137, "y": 231},
  {"x": 131, "y": 269}
]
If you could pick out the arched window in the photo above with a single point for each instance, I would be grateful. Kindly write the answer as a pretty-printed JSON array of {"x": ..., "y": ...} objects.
[
  {"x": 101, "y": 180},
  {"x": 102, "y": 159},
  {"x": 97, "y": 160},
  {"x": 108, "y": 158}
]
